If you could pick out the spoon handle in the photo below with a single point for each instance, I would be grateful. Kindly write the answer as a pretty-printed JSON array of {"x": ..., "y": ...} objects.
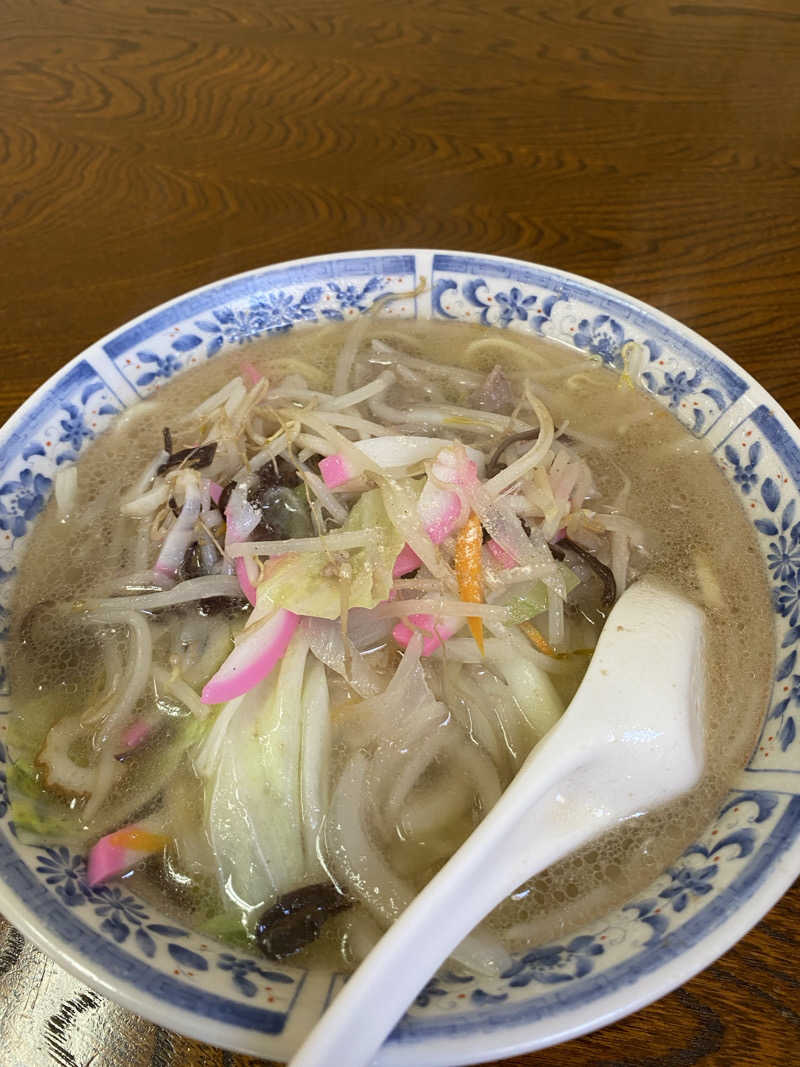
[
  {"x": 631, "y": 739},
  {"x": 497, "y": 860},
  {"x": 378, "y": 993}
]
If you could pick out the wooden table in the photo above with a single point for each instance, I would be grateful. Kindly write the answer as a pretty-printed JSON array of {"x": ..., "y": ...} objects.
[{"x": 151, "y": 147}]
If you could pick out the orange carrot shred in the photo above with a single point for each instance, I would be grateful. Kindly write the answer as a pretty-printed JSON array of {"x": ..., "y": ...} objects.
[
  {"x": 537, "y": 639},
  {"x": 469, "y": 571},
  {"x": 138, "y": 839}
]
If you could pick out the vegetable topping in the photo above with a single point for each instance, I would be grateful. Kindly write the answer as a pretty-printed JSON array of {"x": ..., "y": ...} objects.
[{"x": 312, "y": 562}]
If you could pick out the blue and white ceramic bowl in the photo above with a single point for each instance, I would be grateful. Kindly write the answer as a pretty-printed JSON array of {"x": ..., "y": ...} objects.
[{"x": 720, "y": 886}]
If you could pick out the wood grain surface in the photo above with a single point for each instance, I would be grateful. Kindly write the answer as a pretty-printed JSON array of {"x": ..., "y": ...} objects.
[{"x": 146, "y": 148}]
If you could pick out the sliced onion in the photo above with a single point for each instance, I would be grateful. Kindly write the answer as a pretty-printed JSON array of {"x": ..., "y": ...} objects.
[
  {"x": 365, "y": 631},
  {"x": 329, "y": 645},
  {"x": 384, "y": 893}
]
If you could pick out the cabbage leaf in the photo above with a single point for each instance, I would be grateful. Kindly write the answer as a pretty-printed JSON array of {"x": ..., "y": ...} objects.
[
  {"x": 254, "y": 817},
  {"x": 320, "y": 583},
  {"x": 527, "y": 605}
]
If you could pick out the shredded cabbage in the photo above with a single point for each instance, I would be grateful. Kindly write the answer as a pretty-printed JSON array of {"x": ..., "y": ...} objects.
[
  {"x": 312, "y": 583},
  {"x": 534, "y": 600}
]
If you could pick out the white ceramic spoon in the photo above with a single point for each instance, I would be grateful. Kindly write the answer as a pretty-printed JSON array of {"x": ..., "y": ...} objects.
[{"x": 630, "y": 740}]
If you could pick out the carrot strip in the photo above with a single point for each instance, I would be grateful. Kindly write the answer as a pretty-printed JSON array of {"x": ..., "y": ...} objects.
[
  {"x": 137, "y": 839},
  {"x": 469, "y": 571},
  {"x": 541, "y": 644}
]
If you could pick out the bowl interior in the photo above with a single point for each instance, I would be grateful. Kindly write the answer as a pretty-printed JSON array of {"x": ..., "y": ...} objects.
[{"x": 695, "y": 910}]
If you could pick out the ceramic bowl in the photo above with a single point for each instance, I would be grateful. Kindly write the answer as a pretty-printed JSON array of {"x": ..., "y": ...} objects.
[{"x": 721, "y": 885}]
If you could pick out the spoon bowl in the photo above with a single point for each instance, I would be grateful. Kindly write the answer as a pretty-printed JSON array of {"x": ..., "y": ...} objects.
[{"x": 630, "y": 740}]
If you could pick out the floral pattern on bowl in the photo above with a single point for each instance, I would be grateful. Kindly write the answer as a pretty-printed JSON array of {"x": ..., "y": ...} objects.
[
  {"x": 720, "y": 885},
  {"x": 528, "y": 299},
  {"x": 129, "y": 921},
  {"x": 57, "y": 429},
  {"x": 758, "y": 459},
  {"x": 236, "y": 314}
]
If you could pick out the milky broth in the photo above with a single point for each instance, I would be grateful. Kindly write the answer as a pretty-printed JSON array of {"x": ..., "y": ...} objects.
[{"x": 688, "y": 510}]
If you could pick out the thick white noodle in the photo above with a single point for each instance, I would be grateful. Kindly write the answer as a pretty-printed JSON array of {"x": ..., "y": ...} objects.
[{"x": 107, "y": 739}]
